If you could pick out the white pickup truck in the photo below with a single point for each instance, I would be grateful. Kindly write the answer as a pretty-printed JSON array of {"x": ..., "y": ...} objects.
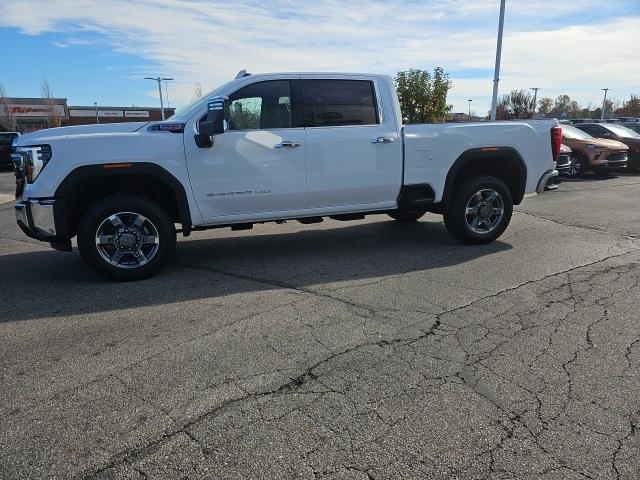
[{"x": 271, "y": 147}]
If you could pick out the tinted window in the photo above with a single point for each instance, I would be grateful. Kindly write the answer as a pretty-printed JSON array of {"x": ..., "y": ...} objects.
[
  {"x": 572, "y": 133},
  {"x": 588, "y": 128},
  {"x": 262, "y": 105},
  {"x": 7, "y": 138},
  {"x": 339, "y": 102}
]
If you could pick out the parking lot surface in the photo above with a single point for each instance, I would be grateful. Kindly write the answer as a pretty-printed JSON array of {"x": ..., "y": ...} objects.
[{"x": 343, "y": 350}]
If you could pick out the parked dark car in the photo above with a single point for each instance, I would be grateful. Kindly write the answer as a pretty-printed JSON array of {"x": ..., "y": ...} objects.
[
  {"x": 620, "y": 133},
  {"x": 597, "y": 155},
  {"x": 5, "y": 148}
]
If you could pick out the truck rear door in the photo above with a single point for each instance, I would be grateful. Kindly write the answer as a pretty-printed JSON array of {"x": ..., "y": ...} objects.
[{"x": 354, "y": 153}]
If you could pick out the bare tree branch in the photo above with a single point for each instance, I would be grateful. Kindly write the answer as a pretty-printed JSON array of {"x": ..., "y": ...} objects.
[
  {"x": 197, "y": 91},
  {"x": 55, "y": 119},
  {"x": 8, "y": 119}
]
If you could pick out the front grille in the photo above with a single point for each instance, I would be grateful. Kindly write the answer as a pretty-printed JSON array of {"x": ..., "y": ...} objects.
[
  {"x": 563, "y": 160},
  {"x": 617, "y": 157}
]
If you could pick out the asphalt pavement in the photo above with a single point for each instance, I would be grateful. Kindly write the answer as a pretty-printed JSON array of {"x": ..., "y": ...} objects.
[{"x": 341, "y": 350}]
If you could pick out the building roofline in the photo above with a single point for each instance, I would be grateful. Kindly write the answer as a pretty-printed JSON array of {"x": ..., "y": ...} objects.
[{"x": 106, "y": 107}]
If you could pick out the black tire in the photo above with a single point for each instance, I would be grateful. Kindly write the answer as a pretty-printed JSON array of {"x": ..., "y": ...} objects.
[
  {"x": 406, "y": 215},
  {"x": 127, "y": 205},
  {"x": 456, "y": 219}
]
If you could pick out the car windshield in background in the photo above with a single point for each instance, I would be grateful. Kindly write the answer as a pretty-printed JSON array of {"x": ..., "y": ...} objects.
[
  {"x": 572, "y": 133},
  {"x": 7, "y": 138},
  {"x": 623, "y": 132}
]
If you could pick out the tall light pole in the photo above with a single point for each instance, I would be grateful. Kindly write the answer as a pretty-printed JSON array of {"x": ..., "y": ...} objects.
[
  {"x": 604, "y": 103},
  {"x": 496, "y": 75},
  {"x": 470, "y": 100},
  {"x": 535, "y": 100},
  {"x": 159, "y": 80},
  {"x": 95, "y": 104}
]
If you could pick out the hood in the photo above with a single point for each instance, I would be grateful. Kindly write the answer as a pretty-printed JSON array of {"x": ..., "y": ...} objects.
[
  {"x": 65, "y": 132},
  {"x": 599, "y": 142}
]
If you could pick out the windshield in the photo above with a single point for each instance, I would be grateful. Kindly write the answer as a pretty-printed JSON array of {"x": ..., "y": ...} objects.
[
  {"x": 184, "y": 113},
  {"x": 621, "y": 131},
  {"x": 572, "y": 133}
]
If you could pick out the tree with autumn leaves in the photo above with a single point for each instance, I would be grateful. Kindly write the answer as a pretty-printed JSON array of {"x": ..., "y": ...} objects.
[{"x": 423, "y": 96}]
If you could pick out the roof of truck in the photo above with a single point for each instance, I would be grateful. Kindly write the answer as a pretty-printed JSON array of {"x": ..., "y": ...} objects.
[{"x": 354, "y": 74}]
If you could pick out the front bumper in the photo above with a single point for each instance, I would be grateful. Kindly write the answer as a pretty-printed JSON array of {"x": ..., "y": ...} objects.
[
  {"x": 617, "y": 160},
  {"x": 542, "y": 183},
  {"x": 564, "y": 163},
  {"x": 36, "y": 219}
]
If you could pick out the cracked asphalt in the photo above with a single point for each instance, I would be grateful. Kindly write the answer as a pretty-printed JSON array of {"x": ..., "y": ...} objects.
[{"x": 343, "y": 350}]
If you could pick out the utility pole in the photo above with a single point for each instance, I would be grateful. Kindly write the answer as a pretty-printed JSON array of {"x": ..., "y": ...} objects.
[
  {"x": 604, "y": 104},
  {"x": 496, "y": 75},
  {"x": 159, "y": 80},
  {"x": 535, "y": 100},
  {"x": 470, "y": 100},
  {"x": 95, "y": 104}
]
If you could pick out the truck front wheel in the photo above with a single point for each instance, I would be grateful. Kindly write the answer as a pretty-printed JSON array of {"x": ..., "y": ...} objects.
[
  {"x": 126, "y": 237},
  {"x": 480, "y": 210}
]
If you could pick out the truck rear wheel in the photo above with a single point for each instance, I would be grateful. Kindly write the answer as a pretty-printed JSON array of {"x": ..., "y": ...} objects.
[
  {"x": 126, "y": 237},
  {"x": 480, "y": 210},
  {"x": 406, "y": 215}
]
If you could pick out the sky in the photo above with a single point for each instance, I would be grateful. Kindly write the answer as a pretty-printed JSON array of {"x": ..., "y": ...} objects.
[{"x": 100, "y": 51}]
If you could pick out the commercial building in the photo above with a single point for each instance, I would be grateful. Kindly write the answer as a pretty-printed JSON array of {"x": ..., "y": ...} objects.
[{"x": 37, "y": 113}]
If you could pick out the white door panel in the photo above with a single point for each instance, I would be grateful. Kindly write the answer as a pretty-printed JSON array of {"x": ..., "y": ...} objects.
[
  {"x": 345, "y": 168},
  {"x": 258, "y": 165},
  {"x": 249, "y": 172}
]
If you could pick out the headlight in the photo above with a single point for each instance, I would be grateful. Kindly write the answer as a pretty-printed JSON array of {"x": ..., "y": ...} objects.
[
  {"x": 34, "y": 159},
  {"x": 591, "y": 145}
]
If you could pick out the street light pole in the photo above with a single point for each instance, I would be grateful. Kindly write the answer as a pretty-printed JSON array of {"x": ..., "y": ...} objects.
[
  {"x": 159, "y": 80},
  {"x": 535, "y": 100},
  {"x": 470, "y": 100},
  {"x": 496, "y": 75},
  {"x": 95, "y": 104},
  {"x": 604, "y": 103}
]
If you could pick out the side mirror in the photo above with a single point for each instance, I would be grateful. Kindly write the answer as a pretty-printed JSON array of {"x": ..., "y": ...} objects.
[{"x": 214, "y": 123}]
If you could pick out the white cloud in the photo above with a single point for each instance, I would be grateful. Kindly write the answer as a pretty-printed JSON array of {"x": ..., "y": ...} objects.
[{"x": 209, "y": 41}]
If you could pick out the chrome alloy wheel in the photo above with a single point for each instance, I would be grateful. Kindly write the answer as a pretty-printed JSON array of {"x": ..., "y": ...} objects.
[
  {"x": 127, "y": 240},
  {"x": 484, "y": 211}
]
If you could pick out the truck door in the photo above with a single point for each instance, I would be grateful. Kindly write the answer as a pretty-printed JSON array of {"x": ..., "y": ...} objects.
[
  {"x": 258, "y": 164},
  {"x": 354, "y": 153}
]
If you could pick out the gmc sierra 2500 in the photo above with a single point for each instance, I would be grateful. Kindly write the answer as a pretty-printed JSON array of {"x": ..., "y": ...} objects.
[{"x": 271, "y": 147}]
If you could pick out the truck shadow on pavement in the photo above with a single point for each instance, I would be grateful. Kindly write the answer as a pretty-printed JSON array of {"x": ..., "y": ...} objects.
[{"x": 47, "y": 284}]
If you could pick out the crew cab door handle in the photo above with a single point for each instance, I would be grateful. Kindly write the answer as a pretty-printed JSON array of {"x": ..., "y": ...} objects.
[
  {"x": 286, "y": 143},
  {"x": 382, "y": 140}
]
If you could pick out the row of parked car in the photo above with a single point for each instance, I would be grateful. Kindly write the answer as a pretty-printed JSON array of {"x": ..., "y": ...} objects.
[{"x": 598, "y": 147}]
